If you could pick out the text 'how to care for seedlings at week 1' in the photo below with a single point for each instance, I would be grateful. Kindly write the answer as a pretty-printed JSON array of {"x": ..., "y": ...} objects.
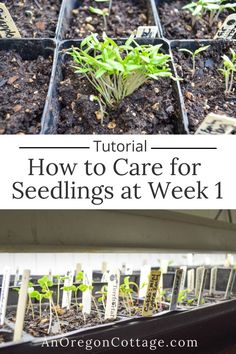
[{"x": 172, "y": 178}]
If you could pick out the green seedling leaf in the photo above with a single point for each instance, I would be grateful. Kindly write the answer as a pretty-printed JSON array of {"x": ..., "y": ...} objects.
[
  {"x": 97, "y": 11},
  {"x": 201, "y": 49},
  {"x": 79, "y": 276}
]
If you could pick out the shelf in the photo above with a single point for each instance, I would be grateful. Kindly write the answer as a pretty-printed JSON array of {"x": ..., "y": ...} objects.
[{"x": 113, "y": 231}]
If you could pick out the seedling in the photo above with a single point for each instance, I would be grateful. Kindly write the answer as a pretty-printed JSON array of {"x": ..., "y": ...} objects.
[
  {"x": 214, "y": 7},
  {"x": 116, "y": 71},
  {"x": 126, "y": 292},
  {"x": 45, "y": 284},
  {"x": 183, "y": 294},
  {"x": 193, "y": 55},
  {"x": 103, "y": 296},
  {"x": 229, "y": 70},
  {"x": 110, "y": 4},
  {"x": 59, "y": 280},
  {"x": 83, "y": 288},
  {"x": 39, "y": 297},
  {"x": 104, "y": 13}
]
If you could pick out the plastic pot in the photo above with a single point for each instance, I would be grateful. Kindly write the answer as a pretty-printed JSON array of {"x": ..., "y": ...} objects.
[
  {"x": 52, "y": 109},
  {"x": 57, "y": 29},
  {"x": 69, "y": 5},
  {"x": 29, "y": 50},
  {"x": 215, "y": 45}
]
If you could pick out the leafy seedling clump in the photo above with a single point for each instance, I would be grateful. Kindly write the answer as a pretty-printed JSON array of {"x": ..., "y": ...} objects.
[
  {"x": 229, "y": 70},
  {"x": 116, "y": 71},
  {"x": 210, "y": 8}
]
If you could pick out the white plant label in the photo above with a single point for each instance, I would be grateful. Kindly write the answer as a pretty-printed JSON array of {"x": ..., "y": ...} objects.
[
  {"x": 228, "y": 29},
  {"x": 17, "y": 277},
  {"x": 8, "y": 28},
  {"x": 230, "y": 284},
  {"x": 21, "y": 306},
  {"x": 4, "y": 295},
  {"x": 176, "y": 289},
  {"x": 199, "y": 275},
  {"x": 164, "y": 269},
  {"x": 150, "y": 299},
  {"x": 143, "y": 282},
  {"x": 50, "y": 277},
  {"x": 147, "y": 32},
  {"x": 123, "y": 268},
  {"x": 86, "y": 295},
  {"x": 104, "y": 267},
  {"x": 78, "y": 268},
  {"x": 105, "y": 277},
  {"x": 112, "y": 294},
  {"x": 129, "y": 269},
  {"x": 191, "y": 280},
  {"x": 66, "y": 295},
  {"x": 183, "y": 279},
  {"x": 215, "y": 124},
  {"x": 213, "y": 280},
  {"x": 202, "y": 286}
]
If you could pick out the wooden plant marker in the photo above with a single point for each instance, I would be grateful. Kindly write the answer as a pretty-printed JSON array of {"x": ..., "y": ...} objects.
[
  {"x": 78, "y": 268},
  {"x": 191, "y": 280},
  {"x": 4, "y": 295},
  {"x": 164, "y": 269},
  {"x": 230, "y": 284},
  {"x": 176, "y": 289},
  {"x": 8, "y": 28},
  {"x": 86, "y": 295},
  {"x": 213, "y": 280},
  {"x": 215, "y": 124},
  {"x": 123, "y": 268},
  {"x": 112, "y": 294},
  {"x": 150, "y": 299},
  {"x": 199, "y": 275},
  {"x": 21, "y": 307},
  {"x": 202, "y": 286},
  {"x": 66, "y": 295},
  {"x": 17, "y": 277},
  {"x": 104, "y": 267},
  {"x": 50, "y": 277},
  {"x": 183, "y": 279}
]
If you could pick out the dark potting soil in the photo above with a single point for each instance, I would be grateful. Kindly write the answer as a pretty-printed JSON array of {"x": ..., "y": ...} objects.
[
  {"x": 70, "y": 320},
  {"x": 204, "y": 92},
  {"x": 149, "y": 110},
  {"x": 23, "y": 90},
  {"x": 6, "y": 334},
  {"x": 35, "y": 18},
  {"x": 177, "y": 23},
  {"x": 125, "y": 17}
]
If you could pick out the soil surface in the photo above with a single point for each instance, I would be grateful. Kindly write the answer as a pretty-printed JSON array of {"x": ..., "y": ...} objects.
[
  {"x": 177, "y": 23},
  {"x": 70, "y": 320},
  {"x": 150, "y": 110},
  {"x": 23, "y": 90},
  {"x": 125, "y": 17},
  {"x": 35, "y": 18},
  {"x": 204, "y": 92},
  {"x": 6, "y": 335}
]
